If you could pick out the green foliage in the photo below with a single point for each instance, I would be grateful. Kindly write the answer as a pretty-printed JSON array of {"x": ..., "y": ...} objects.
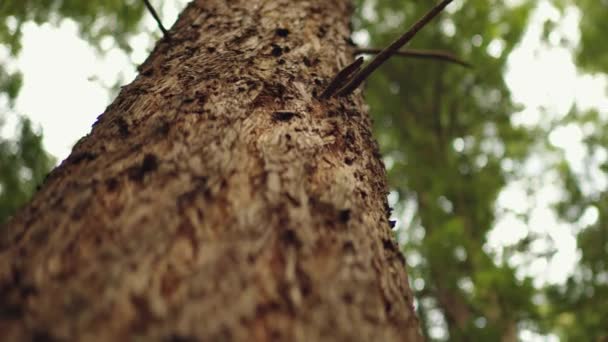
[
  {"x": 23, "y": 166},
  {"x": 10, "y": 83},
  {"x": 593, "y": 53},
  {"x": 578, "y": 309},
  {"x": 445, "y": 131},
  {"x": 23, "y": 162}
]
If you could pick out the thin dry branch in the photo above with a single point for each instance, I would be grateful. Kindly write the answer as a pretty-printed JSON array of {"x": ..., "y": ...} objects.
[
  {"x": 385, "y": 54},
  {"x": 341, "y": 78},
  {"x": 157, "y": 18},
  {"x": 418, "y": 53}
]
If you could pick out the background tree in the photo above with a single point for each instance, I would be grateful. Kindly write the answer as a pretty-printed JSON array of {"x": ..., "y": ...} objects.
[
  {"x": 445, "y": 131},
  {"x": 451, "y": 147}
]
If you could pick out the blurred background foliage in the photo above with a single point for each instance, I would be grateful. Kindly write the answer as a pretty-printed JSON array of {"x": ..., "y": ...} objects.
[
  {"x": 23, "y": 161},
  {"x": 450, "y": 145},
  {"x": 445, "y": 132}
]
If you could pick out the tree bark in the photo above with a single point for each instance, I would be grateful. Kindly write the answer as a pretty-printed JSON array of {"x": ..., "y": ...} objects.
[{"x": 217, "y": 199}]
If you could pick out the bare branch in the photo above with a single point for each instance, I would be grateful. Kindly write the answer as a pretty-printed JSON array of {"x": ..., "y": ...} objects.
[
  {"x": 341, "y": 78},
  {"x": 416, "y": 53},
  {"x": 385, "y": 54},
  {"x": 157, "y": 18}
]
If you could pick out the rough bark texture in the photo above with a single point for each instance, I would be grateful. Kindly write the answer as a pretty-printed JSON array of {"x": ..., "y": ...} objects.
[{"x": 216, "y": 199}]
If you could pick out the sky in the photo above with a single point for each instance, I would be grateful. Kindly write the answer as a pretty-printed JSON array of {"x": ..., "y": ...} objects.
[
  {"x": 64, "y": 96},
  {"x": 68, "y": 92},
  {"x": 544, "y": 78}
]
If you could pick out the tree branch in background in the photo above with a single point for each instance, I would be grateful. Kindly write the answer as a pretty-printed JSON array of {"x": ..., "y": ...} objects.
[
  {"x": 157, "y": 18},
  {"x": 390, "y": 50},
  {"x": 414, "y": 53}
]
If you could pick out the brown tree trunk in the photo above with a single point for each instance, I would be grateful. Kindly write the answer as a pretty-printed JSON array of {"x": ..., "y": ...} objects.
[{"x": 217, "y": 199}]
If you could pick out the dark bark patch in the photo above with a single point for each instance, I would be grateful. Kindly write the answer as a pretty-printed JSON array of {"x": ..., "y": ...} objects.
[
  {"x": 387, "y": 209},
  {"x": 349, "y": 138},
  {"x": 377, "y": 154},
  {"x": 283, "y": 115},
  {"x": 304, "y": 282},
  {"x": 12, "y": 298},
  {"x": 332, "y": 216},
  {"x": 148, "y": 164},
  {"x": 284, "y": 290},
  {"x": 123, "y": 126},
  {"x": 169, "y": 282},
  {"x": 277, "y": 51},
  {"x": 322, "y": 31},
  {"x": 388, "y": 306},
  {"x": 290, "y": 237},
  {"x": 347, "y": 297},
  {"x": 307, "y": 61},
  {"x": 332, "y": 113},
  {"x": 79, "y": 157},
  {"x": 186, "y": 199},
  {"x": 352, "y": 113},
  {"x": 194, "y": 103},
  {"x": 148, "y": 72},
  {"x": 176, "y": 337},
  {"x": 266, "y": 308},
  {"x": 270, "y": 93},
  {"x": 200, "y": 98},
  {"x": 43, "y": 336},
  {"x": 344, "y": 215},
  {"x": 392, "y": 223},
  {"x": 163, "y": 128},
  {"x": 390, "y": 245},
  {"x": 292, "y": 199},
  {"x": 80, "y": 210},
  {"x": 401, "y": 257},
  {"x": 76, "y": 305},
  {"x": 348, "y": 247},
  {"x": 282, "y": 32},
  {"x": 40, "y": 234},
  {"x": 112, "y": 184},
  {"x": 144, "y": 312},
  {"x": 10, "y": 311}
]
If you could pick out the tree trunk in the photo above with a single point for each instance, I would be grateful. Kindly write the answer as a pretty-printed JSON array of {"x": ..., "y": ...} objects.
[{"x": 217, "y": 199}]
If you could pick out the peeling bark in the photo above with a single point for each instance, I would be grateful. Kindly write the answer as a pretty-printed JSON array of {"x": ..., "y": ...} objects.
[{"x": 217, "y": 199}]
